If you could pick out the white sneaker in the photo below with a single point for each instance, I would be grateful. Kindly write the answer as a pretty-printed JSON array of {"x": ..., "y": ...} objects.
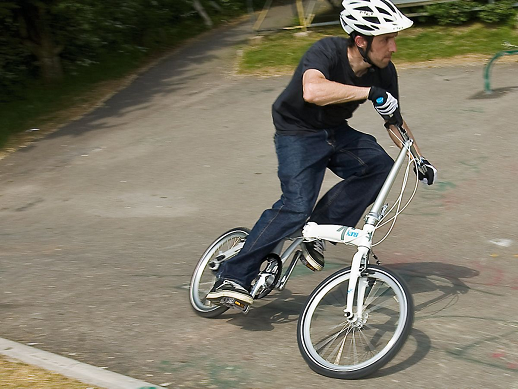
[
  {"x": 228, "y": 290},
  {"x": 313, "y": 254}
]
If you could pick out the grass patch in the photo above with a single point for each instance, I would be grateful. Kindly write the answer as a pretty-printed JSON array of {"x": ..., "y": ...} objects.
[
  {"x": 424, "y": 44},
  {"x": 281, "y": 51},
  {"x": 22, "y": 376}
]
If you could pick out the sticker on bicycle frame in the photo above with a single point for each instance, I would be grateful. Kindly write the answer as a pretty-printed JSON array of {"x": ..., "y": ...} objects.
[{"x": 349, "y": 231}]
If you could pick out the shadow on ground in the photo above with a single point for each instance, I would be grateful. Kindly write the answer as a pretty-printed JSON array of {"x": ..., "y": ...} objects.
[{"x": 440, "y": 283}]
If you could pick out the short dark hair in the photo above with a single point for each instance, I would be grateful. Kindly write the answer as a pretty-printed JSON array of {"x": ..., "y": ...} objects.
[{"x": 354, "y": 34}]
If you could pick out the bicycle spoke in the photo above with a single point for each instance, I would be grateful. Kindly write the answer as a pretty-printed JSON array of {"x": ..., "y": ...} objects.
[
  {"x": 338, "y": 348},
  {"x": 328, "y": 340},
  {"x": 339, "y": 354},
  {"x": 367, "y": 342},
  {"x": 374, "y": 295}
]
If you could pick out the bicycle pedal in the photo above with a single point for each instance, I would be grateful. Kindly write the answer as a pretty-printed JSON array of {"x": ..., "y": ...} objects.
[
  {"x": 216, "y": 262},
  {"x": 307, "y": 264},
  {"x": 235, "y": 304}
]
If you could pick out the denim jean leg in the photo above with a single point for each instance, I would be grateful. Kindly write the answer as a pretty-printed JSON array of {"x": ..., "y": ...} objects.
[
  {"x": 302, "y": 164},
  {"x": 363, "y": 166}
]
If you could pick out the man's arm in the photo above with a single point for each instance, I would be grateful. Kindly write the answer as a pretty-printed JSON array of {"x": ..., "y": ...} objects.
[
  {"x": 320, "y": 91},
  {"x": 394, "y": 135}
]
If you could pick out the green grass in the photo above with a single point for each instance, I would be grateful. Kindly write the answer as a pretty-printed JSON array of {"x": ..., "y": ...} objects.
[
  {"x": 423, "y": 44},
  {"x": 281, "y": 51}
]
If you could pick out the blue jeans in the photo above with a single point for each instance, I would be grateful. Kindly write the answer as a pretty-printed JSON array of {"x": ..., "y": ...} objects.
[{"x": 353, "y": 156}]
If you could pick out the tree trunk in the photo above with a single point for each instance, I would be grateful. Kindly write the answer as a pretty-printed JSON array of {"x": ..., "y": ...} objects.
[
  {"x": 199, "y": 8},
  {"x": 49, "y": 61},
  {"x": 37, "y": 36}
]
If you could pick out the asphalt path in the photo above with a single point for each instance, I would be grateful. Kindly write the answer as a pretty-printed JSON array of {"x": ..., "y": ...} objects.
[{"x": 104, "y": 220}]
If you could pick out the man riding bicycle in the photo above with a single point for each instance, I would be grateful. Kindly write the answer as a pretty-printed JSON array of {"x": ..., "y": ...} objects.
[{"x": 333, "y": 78}]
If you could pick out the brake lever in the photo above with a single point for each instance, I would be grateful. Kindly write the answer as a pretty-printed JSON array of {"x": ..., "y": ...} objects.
[
  {"x": 418, "y": 161},
  {"x": 422, "y": 167}
]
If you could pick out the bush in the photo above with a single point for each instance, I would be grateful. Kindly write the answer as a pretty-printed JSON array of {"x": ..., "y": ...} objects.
[
  {"x": 498, "y": 12},
  {"x": 16, "y": 62},
  {"x": 454, "y": 13},
  {"x": 462, "y": 11}
]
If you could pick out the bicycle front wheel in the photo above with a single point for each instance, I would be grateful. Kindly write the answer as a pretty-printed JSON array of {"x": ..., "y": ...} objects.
[
  {"x": 336, "y": 347},
  {"x": 203, "y": 278}
]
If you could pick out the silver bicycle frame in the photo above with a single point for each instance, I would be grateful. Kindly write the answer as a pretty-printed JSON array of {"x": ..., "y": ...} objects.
[{"x": 361, "y": 238}]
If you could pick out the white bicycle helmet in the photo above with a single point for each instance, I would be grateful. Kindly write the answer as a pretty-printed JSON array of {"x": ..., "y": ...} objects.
[{"x": 372, "y": 17}]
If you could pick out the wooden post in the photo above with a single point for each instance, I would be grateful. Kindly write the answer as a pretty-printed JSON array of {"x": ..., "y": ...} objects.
[
  {"x": 302, "y": 19},
  {"x": 262, "y": 15}
]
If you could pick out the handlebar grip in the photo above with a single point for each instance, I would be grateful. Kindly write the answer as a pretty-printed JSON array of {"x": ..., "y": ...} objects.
[
  {"x": 395, "y": 118},
  {"x": 422, "y": 168}
]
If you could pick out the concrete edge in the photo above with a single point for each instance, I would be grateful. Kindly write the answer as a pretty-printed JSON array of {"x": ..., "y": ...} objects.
[{"x": 71, "y": 368}]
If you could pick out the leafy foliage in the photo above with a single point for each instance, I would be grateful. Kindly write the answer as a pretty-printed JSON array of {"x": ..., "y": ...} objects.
[
  {"x": 454, "y": 13},
  {"x": 14, "y": 59},
  {"x": 459, "y": 12},
  {"x": 74, "y": 34},
  {"x": 497, "y": 12}
]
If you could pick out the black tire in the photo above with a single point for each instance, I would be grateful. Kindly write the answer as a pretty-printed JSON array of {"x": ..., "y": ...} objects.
[
  {"x": 335, "y": 348},
  {"x": 203, "y": 277}
]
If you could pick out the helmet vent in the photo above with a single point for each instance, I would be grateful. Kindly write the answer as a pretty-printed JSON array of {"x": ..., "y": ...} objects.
[
  {"x": 372, "y": 20},
  {"x": 381, "y": 10},
  {"x": 391, "y": 6}
]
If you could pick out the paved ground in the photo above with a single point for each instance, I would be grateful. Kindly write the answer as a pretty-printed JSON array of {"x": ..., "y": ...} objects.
[{"x": 103, "y": 222}]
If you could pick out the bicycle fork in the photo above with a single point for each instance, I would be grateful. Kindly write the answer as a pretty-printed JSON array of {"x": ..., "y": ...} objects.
[{"x": 357, "y": 286}]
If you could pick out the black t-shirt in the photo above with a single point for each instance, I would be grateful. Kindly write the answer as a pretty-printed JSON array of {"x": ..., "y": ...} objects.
[{"x": 292, "y": 115}]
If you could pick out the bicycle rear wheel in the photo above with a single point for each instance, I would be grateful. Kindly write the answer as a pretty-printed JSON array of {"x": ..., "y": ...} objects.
[
  {"x": 333, "y": 346},
  {"x": 203, "y": 278}
]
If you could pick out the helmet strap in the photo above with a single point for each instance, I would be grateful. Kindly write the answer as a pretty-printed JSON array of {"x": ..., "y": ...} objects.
[{"x": 365, "y": 52}]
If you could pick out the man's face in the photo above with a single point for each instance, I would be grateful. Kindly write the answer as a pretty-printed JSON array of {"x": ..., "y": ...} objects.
[{"x": 382, "y": 48}]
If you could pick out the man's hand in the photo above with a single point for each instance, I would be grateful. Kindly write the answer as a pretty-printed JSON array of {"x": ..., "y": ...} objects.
[
  {"x": 386, "y": 105},
  {"x": 430, "y": 175}
]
